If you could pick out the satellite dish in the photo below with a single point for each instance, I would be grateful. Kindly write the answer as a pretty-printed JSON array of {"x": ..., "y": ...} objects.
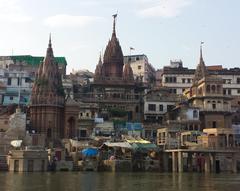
[{"x": 16, "y": 143}]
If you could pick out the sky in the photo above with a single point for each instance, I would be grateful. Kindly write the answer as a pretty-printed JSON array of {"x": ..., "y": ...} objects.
[{"x": 163, "y": 30}]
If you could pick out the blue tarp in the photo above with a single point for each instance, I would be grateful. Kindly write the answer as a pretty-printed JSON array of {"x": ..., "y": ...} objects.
[{"x": 90, "y": 152}]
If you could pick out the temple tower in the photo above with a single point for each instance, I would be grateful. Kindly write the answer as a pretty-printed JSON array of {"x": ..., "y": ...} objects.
[{"x": 47, "y": 99}]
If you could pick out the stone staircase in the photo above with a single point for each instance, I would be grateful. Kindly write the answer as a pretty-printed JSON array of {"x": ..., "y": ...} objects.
[{"x": 3, "y": 163}]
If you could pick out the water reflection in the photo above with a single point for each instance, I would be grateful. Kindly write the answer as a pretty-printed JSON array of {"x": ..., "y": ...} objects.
[{"x": 85, "y": 181}]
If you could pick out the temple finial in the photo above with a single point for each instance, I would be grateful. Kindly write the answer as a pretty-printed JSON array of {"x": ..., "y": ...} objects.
[
  {"x": 50, "y": 41},
  {"x": 201, "y": 57},
  {"x": 114, "y": 23}
]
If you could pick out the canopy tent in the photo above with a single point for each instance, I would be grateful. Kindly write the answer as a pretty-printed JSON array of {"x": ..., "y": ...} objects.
[{"x": 118, "y": 144}]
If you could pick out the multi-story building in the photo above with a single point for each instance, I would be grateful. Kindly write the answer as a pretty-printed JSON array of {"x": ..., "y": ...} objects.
[
  {"x": 29, "y": 63},
  {"x": 179, "y": 78},
  {"x": 18, "y": 86},
  {"x": 157, "y": 103},
  {"x": 141, "y": 68},
  {"x": 183, "y": 119}
]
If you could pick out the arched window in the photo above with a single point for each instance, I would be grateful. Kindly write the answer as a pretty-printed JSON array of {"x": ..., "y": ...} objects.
[{"x": 213, "y": 88}]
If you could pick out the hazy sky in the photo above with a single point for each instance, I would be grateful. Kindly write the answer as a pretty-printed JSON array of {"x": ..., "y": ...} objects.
[{"x": 161, "y": 29}]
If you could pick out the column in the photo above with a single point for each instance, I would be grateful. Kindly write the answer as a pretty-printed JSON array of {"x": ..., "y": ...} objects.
[
  {"x": 174, "y": 162},
  {"x": 207, "y": 163},
  {"x": 234, "y": 163},
  {"x": 180, "y": 161}
]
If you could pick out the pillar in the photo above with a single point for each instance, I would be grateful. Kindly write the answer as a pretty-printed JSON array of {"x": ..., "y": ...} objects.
[
  {"x": 174, "y": 162},
  {"x": 234, "y": 163},
  {"x": 180, "y": 161},
  {"x": 165, "y": 162},
  {"x": 207, "y": 163}
]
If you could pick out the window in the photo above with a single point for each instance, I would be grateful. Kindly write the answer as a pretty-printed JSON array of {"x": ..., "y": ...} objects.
[
  {"x": 137, "y": 58},
  {"x": 189, "y": 80},
  {"x": 224, "y": 91},
  {"x": 183, "y": 80},
  {"x": 166, "y": 79},
  {"x": 183, "y": 90},
  {"x": 169, "y": 107},
  {"x": 174, "y": 79},
  {"x": 208, "y": 88},
  {"x": 218, "y": 88},
  {"x": 87, "y": 114},
  {"x": 9, "y": 82},
  {"x": 139, "y": 67},
  {"x": 195, "y": 114},
  {"x": 214, "y": 106},
  {"x": 238, "y": 91},
  {"x": 214, "y": 124},
  {"x": 11, "y": 97},
  {"x": 229, "y": 92},
  {"x": 152, "y": 107},
  {"x": 190, "y": 127},
  {"x": 160, "y": 107},
  {"x": 238, "y": 80}
]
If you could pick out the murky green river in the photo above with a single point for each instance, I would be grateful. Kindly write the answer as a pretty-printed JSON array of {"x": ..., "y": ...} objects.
[{"x": 88, "y": 181}]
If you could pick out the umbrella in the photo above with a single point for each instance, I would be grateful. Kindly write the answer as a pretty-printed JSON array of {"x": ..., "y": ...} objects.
[{"x": 90, "y": 152}]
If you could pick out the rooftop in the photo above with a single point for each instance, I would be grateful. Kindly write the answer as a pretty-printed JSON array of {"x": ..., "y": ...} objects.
[{"x": 35, "y": 60}]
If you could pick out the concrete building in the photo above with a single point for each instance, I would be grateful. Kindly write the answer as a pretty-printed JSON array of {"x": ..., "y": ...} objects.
[{"x": 141, "y": 67}]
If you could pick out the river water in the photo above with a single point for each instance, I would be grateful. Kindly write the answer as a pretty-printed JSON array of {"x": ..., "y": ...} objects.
[{"x": 102, "y": 181}]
